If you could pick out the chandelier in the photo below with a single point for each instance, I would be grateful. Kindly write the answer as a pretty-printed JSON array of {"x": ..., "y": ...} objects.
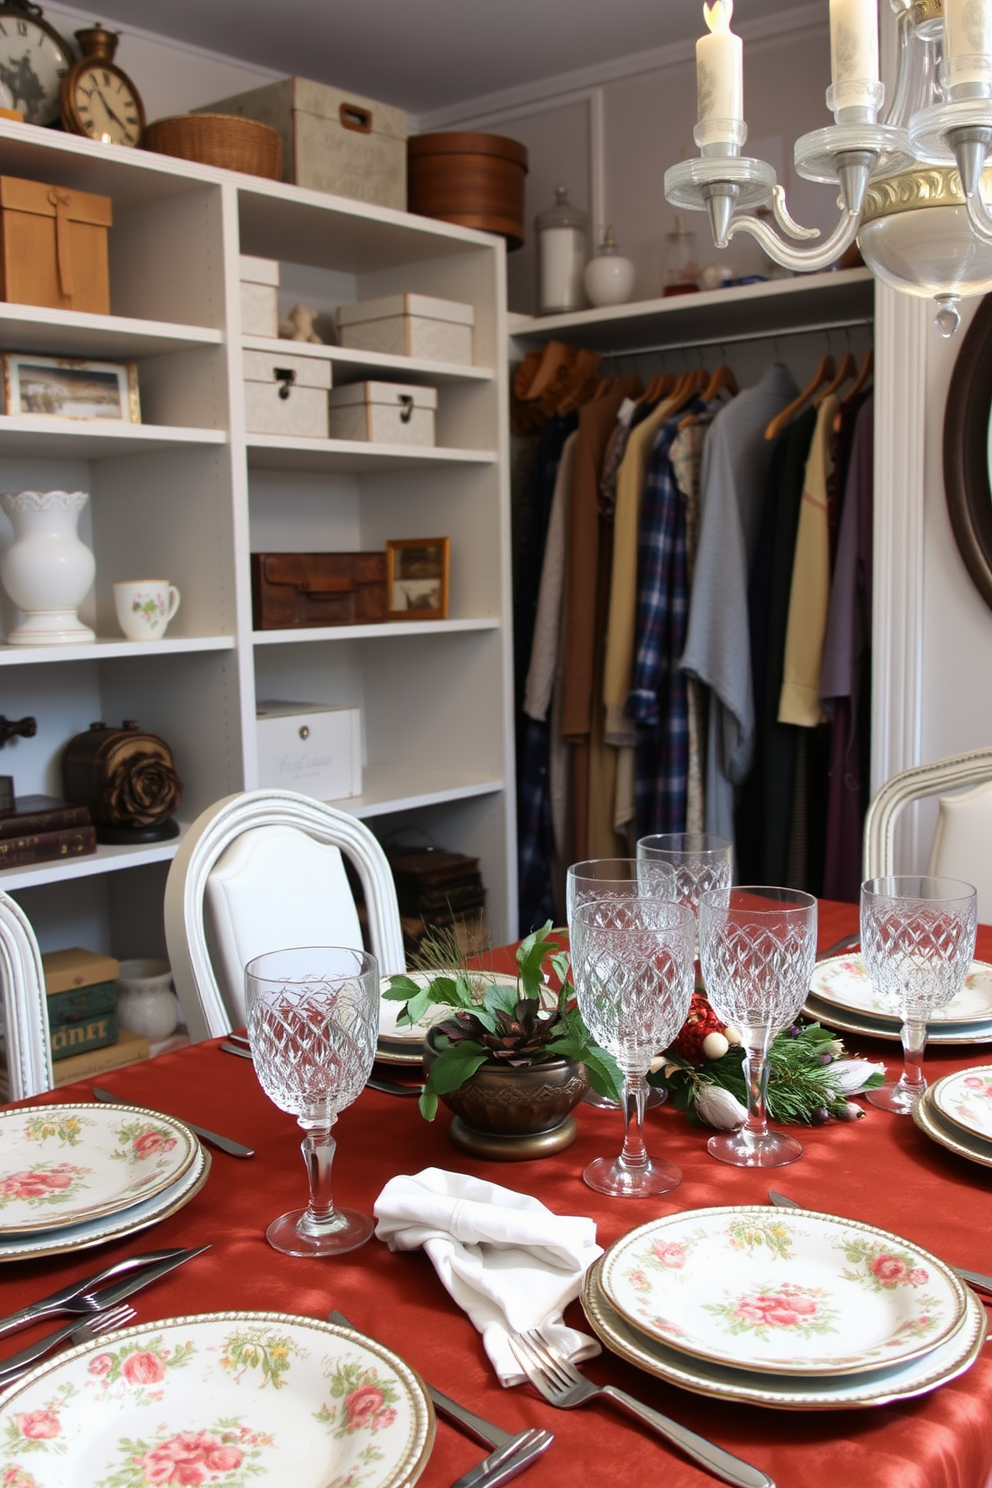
[{"x": 912, "y": 184}]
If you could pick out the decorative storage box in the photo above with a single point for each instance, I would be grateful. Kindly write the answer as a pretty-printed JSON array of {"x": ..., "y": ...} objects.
[
  {"x": 286, "y": 394},
  {"x": 331, "y": 141},
  {"x": 259, "y": 284},
  {"x": 290, "y": 591},
  {"x": 382, "y": 413},
  {"x": 53, "y": 246},
  {"x": 81, "y": 989},
  {"x": 310, "y": 747},
  {"x": 412, "y": 325}
]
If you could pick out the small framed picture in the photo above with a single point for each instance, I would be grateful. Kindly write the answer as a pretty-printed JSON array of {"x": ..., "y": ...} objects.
[
  {"x": 417, "y": 578},
  {"x": 55, "y": 387}
]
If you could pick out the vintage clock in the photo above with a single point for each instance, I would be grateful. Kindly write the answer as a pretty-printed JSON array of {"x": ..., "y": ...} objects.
[
  {"x": 98, "y": 99},
  {"x": 33, "y": 61}
]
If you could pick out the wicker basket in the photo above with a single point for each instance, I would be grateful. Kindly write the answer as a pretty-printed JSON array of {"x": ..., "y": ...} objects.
[{"x": 219, "y": 139}]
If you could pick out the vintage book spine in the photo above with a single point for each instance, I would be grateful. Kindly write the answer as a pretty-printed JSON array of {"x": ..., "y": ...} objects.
[
  {"x": 42, "y": 847},
  {"x": 57, "y": 819},
  {"x": 129, "y": 1048}
]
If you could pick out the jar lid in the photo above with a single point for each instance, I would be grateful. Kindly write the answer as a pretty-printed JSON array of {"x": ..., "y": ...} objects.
[
  {"x": 562, "y": 214},
  {"x": 609, "y": 246}
]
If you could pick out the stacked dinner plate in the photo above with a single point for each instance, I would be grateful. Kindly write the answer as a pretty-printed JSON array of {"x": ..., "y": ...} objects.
[
  {"x": 75, "y": 1176},
  {"x": 405, "y": 1044},
  {"x": 841, "y": 996},
  {"x": 956, "y": 1111},
  {"x": 793, "y": 1310}
]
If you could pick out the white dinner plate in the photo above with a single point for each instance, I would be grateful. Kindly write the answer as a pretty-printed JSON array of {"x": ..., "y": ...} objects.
[
  {"x": 965, "y": 1100},
  {"x": 785, "y": 1294},
  {"x": 405, "y": 1045},
  {"x": 224, "y": 1398},
  {"x": 946, "y": 1134},
  {"x": 63, "y": 1165},
  {"x": 111, "y": 1226},
  {"x": 843, "y": 982},
  {"x": 784, "y": 1392},
  {"x": 862, "y": 1023}
]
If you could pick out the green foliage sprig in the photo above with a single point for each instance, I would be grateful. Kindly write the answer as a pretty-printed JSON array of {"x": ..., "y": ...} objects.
[{"x": 493, "y": 1024}]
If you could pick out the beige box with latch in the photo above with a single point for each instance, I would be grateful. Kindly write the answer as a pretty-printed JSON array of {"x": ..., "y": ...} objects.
[
  {"x": 383, "y": 413},
  {"x": 412, "y": 325},
  {"x": 310, "y": 747},
  {"x": 286, "y": 394}
]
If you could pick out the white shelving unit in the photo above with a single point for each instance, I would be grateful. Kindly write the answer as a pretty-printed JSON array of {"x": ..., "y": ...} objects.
[{"x": 188, "y": 494}]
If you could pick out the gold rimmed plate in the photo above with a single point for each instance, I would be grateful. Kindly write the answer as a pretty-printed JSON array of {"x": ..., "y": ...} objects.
[
  {"x": 869, "y": 1027},
  {"x": 945, "y": 1134}
]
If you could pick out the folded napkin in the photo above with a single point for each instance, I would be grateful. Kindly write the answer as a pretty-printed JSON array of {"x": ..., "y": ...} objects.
[{"x": 505, "y": 1258}]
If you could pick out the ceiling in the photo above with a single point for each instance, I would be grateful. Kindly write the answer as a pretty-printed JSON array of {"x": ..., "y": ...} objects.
[{"x": 423, "y": 54}]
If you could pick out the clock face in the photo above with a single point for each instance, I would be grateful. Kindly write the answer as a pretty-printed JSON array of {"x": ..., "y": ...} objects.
[
  {"x": 32, "y": 65},
  {"x": 107, "y": 107}
]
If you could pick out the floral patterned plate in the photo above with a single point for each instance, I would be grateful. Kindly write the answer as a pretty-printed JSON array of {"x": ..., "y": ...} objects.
[
  {"x": 790, "y": 1294},
  {"x": 947, "y": 1134},
  {"x": 64, "y": 1164},
  {"x": 784, "y": 1392},
  {"x": 225, "y": 1398},
  {"x": 888, "y": 1029},
  {"x": 843, "y": 982},
  {"x": 110, "y": 1226},
  {"x": 965, "y": 1099}
]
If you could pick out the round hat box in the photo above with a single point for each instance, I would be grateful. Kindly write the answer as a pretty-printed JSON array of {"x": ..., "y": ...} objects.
[{"x": 473, "y": 180}]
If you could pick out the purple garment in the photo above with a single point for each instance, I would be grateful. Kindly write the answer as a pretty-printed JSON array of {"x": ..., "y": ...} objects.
[{"x": 845, "y": 678}]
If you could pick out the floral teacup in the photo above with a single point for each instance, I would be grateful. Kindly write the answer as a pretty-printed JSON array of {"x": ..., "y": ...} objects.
[{"x": 145, "y": 607}]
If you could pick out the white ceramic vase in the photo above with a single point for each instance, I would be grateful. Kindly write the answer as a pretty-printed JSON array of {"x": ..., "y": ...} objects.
[
  {"x": 146, "y": 1002},
  {"x": 47, "y": 571}
]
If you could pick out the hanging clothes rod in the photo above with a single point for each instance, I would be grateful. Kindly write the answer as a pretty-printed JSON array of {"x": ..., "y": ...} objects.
[{"x": 804, "y": 330}]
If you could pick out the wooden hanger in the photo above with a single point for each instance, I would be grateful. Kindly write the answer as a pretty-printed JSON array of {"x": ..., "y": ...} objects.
[
  {"x": 722, "y": 380},
  {"x": 848, "y": 368},
  {"x": 824, "y": 372},
  {"x": 859, "y": 383},
  {"x": 659, "y": 387},
  {"x": 688, "y": 388}
]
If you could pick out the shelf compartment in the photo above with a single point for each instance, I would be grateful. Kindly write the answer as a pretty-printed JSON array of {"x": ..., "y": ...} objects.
[
  {"x": 359, "y": 364},
  {"x": 352, "y": 457},
  {"x": 106, "y": 859},
  {"x": 77, "y": 439},
  {"x": 72, "y": 333},
  {"x": 383, "y": 630},
  {"x": 102, "y": 649},
  {"x": 403, "y": 787}
]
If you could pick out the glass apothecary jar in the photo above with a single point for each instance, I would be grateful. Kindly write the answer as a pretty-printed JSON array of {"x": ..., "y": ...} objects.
[
  {"x": 681, "y": 265},
  {"x": 562, "y": 233}
]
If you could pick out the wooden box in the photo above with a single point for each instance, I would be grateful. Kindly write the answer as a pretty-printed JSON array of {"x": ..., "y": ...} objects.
[
  {"x": 81, "y": 988},
  {"x": 53, "y": 246},
  {"x": 412, "y": 325},
  {"x": 310, "y": 747},
  {"x": 474, "y": 180},
  {"x": 331, "y": 141},
  {"x": 286, "y": 394},
  {"x": 259, "y": 294},
  {"x": 291, "y": 591},
  {"x": 382, "y": 413}
]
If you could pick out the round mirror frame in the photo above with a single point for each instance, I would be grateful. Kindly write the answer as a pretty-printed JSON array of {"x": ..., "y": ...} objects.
[{"x": 966, "y": 450}]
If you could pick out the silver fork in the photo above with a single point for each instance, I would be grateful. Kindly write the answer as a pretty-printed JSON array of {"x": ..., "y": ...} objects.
[
  {"x": 78, "y": 1331},
  {"x": 562, "y": 1385}
]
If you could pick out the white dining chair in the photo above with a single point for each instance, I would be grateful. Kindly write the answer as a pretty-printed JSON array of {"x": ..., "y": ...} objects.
[
  {"x": 25, "y": 1011},
  {"x": 261, "y": 871},
  {"x": 962, "y": 842}
]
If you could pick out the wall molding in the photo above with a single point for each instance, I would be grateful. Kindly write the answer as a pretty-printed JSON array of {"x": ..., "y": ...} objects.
[{"x": 79, "y": 18}]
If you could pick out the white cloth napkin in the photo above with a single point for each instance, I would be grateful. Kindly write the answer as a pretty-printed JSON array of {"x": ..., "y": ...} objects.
[{"x": 504, "y": 1257}]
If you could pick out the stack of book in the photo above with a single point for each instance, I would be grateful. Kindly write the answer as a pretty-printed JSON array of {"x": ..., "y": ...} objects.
[
  {"x": 439, "y": 891},
  {"x": 41, "y": 828}
]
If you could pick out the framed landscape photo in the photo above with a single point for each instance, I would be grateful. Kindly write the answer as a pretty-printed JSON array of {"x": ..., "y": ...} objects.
[
  {"x": 56, "y": 387},
  {"x": 417, "y": 578}
]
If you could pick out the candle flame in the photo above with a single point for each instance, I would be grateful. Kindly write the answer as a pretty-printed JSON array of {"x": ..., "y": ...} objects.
[{"x": 717, "y": 16}]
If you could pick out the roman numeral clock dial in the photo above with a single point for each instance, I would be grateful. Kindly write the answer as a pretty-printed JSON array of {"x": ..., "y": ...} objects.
[
  {"x": 33, "y": 61},
  {"x": 98, "y": 99}
]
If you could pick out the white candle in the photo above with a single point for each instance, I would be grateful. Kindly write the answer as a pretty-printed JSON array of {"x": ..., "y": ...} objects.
[
  {"x": 853, "y": 50},
  {"x": 967, "y": 37},
  {"x": 719, "y": 66}
]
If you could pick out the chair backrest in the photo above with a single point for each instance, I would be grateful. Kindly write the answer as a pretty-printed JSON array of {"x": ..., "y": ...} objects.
[
  {"x": 261, "y": 871},
  {"x": 25, "y": 1012},
  {"x": 960, "y": 846}
]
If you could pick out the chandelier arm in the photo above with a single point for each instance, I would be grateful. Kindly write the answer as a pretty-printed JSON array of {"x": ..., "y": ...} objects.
[
  {"x": 785, "y": 221},
  {"x": 803, "y": 260},
  {"x": 979, "y": 217}
]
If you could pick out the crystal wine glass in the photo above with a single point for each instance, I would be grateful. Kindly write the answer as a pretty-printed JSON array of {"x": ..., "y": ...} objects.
[
  {"x": 758, "y": 949},
  {"x": 698, "y": 860},
  {"x": 632, "y": 961},
  {"x": 313, "y": 1021},
  {"x": 917, "y": 941},
  {"x": 617, "y": 878}
]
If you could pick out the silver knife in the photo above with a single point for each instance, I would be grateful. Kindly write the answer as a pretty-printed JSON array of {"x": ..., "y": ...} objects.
[
  {"x": 66, "y": 1298},
  {"x": 226, "y": 1144},
  {"x": 512, "y": 1453},
  {"x": 976, "y": 1278}
]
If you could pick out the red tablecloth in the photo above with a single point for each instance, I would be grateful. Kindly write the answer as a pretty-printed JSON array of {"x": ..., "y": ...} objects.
[{"x": 881, "y": 1169}]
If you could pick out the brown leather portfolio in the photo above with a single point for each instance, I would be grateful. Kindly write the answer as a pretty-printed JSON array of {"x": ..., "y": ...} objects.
[{"x": 292, "y": 590}]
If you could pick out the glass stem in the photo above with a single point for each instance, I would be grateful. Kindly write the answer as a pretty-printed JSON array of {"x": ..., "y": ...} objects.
[
  {"x": 318, "y": 1148},
  {"x": 756, "y": 1075},
  {"x": 635, "y": 1093},
  {"x": 914, "y": 1038}
]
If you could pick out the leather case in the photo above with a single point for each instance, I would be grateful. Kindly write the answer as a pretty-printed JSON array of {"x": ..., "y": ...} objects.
[{"x": 293, "y": 590}]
